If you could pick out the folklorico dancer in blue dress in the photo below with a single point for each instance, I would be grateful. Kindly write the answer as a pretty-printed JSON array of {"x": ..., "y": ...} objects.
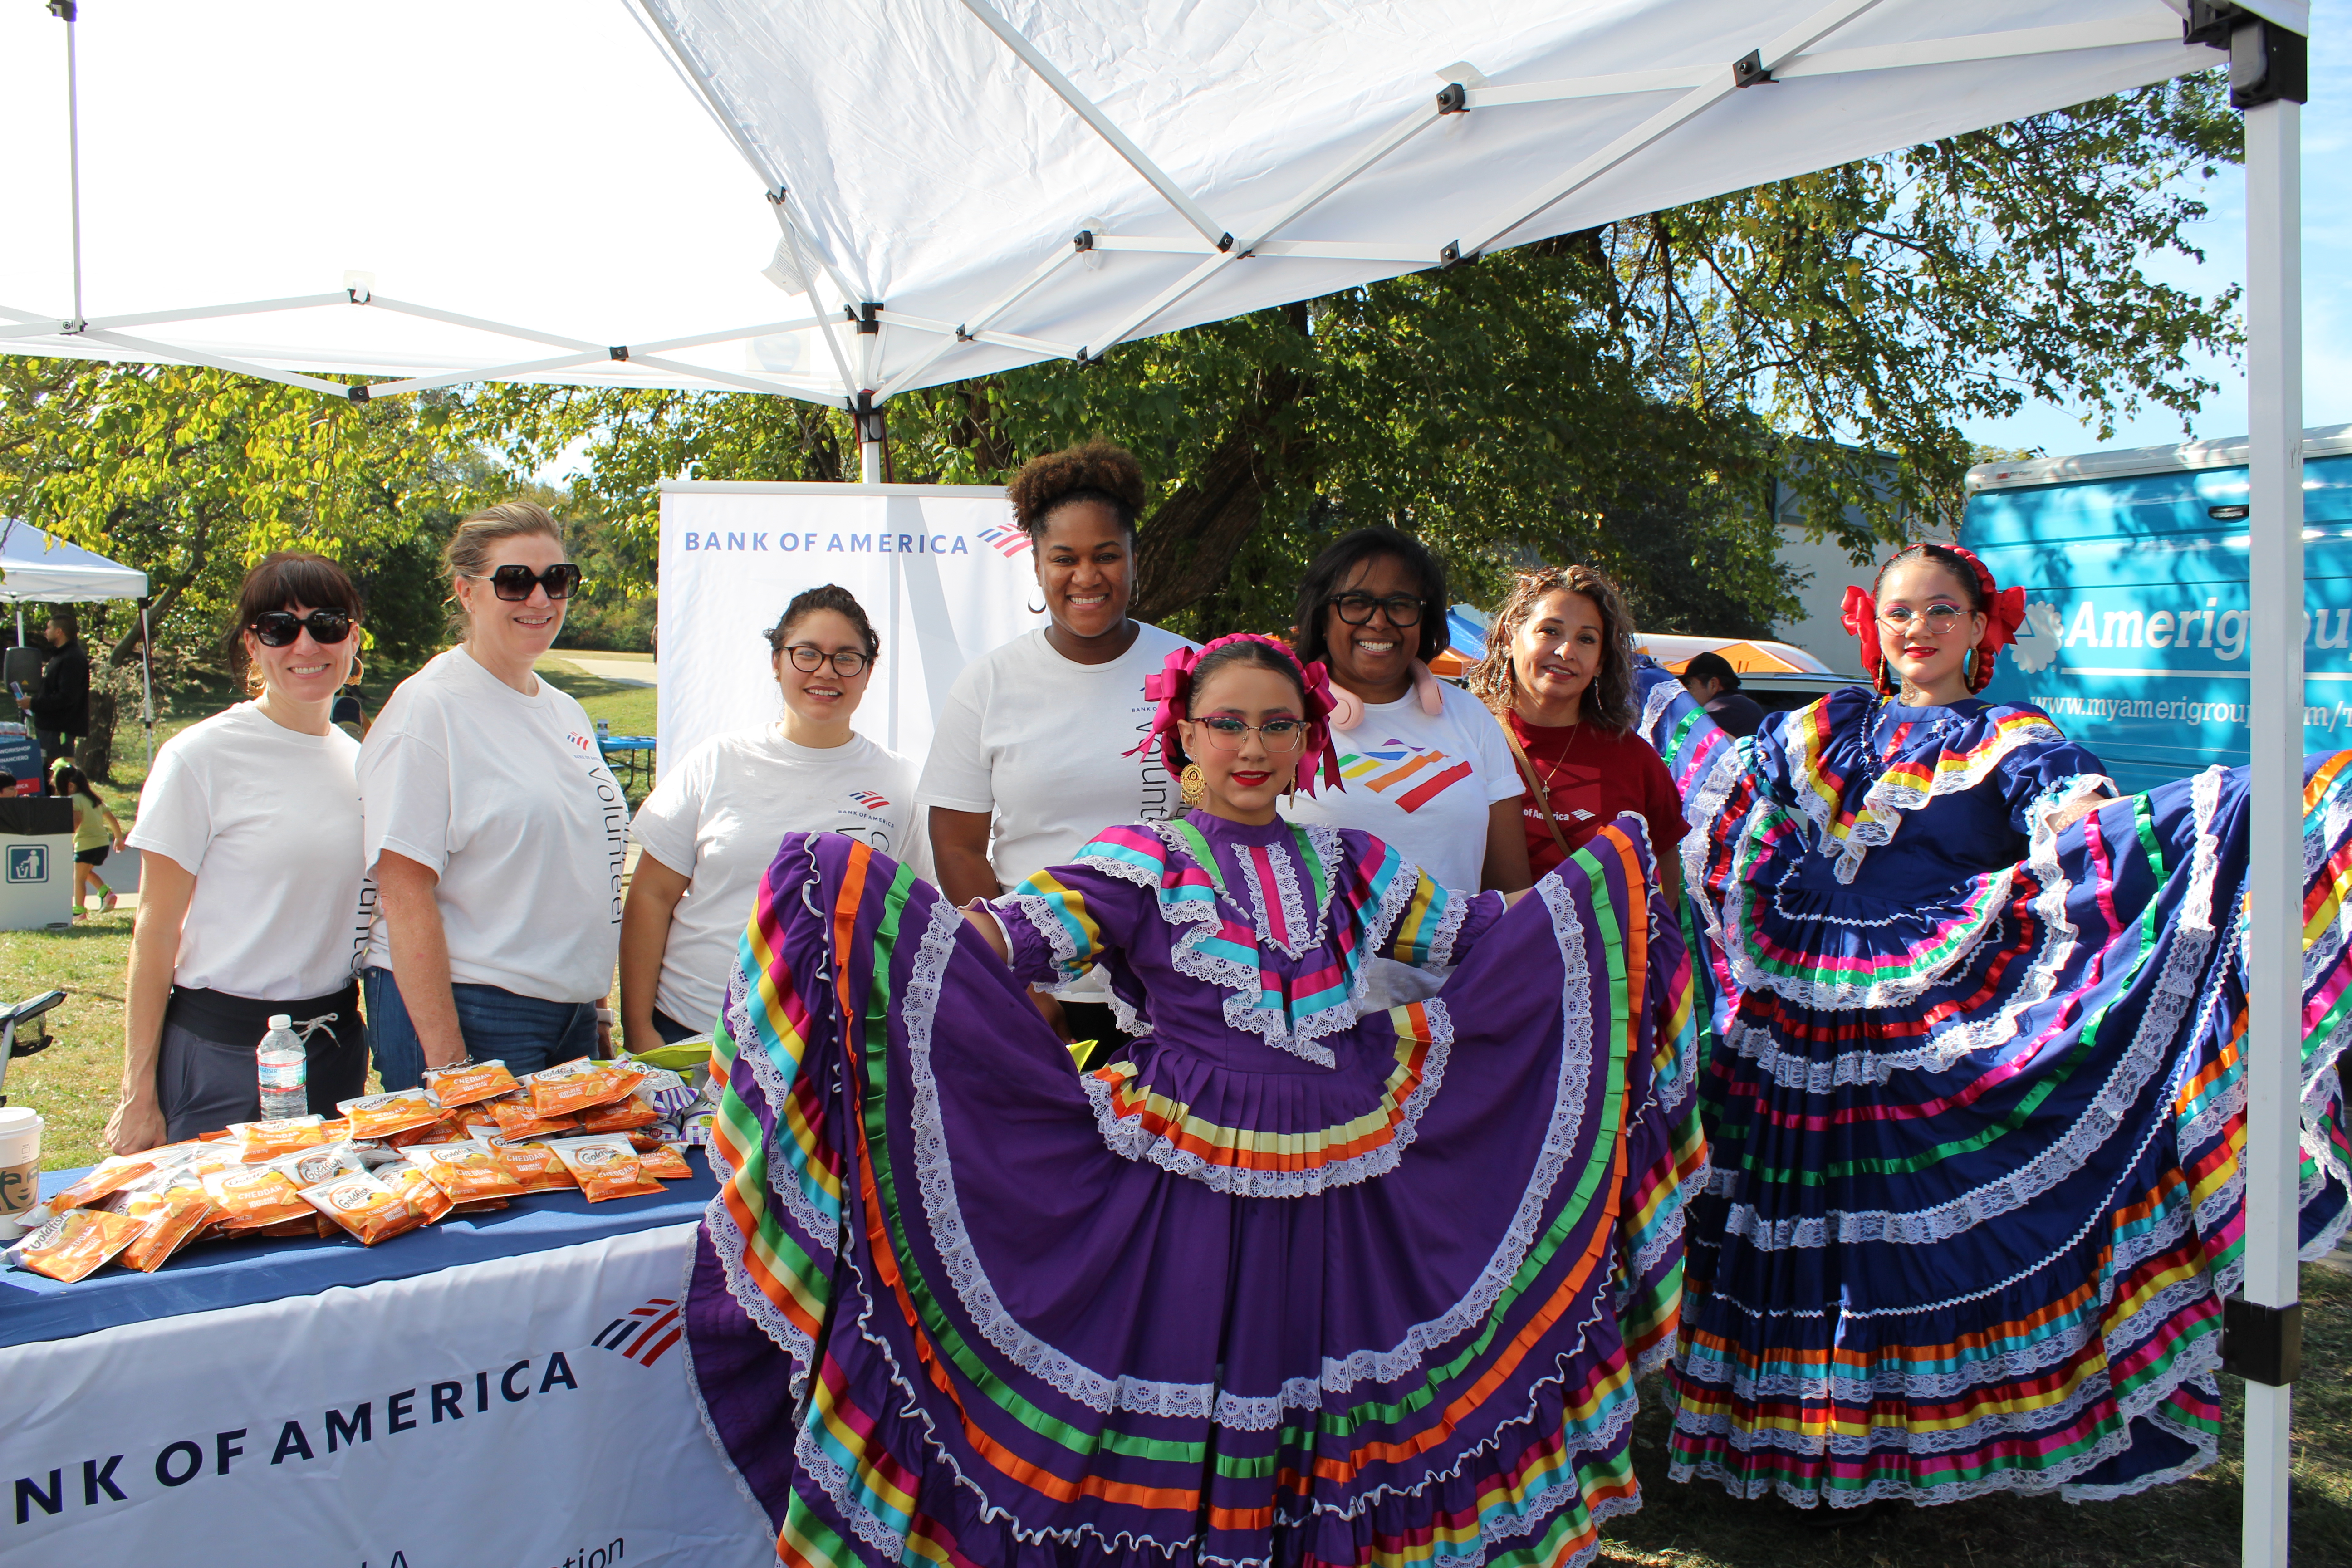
[
  {"x": 1977, "y": 1103},
  {"x": 1295, "y": 1281}
]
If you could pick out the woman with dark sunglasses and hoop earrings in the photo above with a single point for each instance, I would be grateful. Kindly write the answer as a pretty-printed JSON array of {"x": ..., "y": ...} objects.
[
  {"x": 495, "y": 832},
  {"x": 250, "y": 879},
  {"x": 711, "y": 826}
]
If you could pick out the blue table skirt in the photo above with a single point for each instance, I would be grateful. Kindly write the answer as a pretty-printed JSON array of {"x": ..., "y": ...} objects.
[{"x": 238, "y": 1273}]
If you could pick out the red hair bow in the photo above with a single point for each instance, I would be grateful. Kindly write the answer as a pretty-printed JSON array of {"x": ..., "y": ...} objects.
[{"x": 1171, "y": 689}]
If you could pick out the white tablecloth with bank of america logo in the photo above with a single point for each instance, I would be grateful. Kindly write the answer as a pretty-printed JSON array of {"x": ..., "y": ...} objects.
[{"x": 525, "y": 1410}]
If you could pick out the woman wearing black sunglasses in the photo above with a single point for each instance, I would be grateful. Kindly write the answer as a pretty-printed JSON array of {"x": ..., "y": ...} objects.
[
  {"x": 250, "y": 879},
  {"x": 494, "y": 828}
]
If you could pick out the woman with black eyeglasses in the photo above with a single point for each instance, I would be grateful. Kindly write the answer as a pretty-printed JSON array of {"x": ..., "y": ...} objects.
[
  {"x": 495, "y": 831},
  {"x": 250, "y": 881},
  {"x": 711, "y": 828},
  {"x": 1427, "y": 768}
]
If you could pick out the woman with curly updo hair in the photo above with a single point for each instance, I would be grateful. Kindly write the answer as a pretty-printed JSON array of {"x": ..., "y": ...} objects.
[
  {"x": 1031, "y": 757},
  {"x": 1559, "y": 672}
]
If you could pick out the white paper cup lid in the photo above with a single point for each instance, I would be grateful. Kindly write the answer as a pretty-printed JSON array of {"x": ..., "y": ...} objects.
[{"x": 18, "y": 1119}]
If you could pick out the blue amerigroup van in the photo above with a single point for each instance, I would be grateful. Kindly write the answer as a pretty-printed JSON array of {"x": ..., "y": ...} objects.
[{"x": 2133, "y": 566}]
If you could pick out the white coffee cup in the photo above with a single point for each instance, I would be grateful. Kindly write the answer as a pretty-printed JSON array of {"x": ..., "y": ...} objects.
[{"x": 20, "y": 1167}]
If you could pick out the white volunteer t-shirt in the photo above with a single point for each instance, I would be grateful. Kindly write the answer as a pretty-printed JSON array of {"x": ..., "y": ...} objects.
[
  {"x": 267, "y": 821},
  {"x": 508, "y": 798},
  {"x": 1420, "y": 781},
  {"x": 717, "y": 818},
  {"x": 1036, "y": 738}
]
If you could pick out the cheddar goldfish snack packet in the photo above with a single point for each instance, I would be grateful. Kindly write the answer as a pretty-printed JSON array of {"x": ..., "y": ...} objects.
[
  {"x": 516, "y": 1118},
  {"x": 466, "y": 1169},
  {"x": 541, "y": 1169},
  {"x": 452, "y": 1086},
  {"x": 308, "y": 1167},
  {"x": 360, "y": 1204},
  {"x": 635, "y": 1110},
  {"x": 575, "y": 1086},
  {"x": 480, "y": 1205},
  {"x": 417, "y": 1189},
  {"x": 109, "y": 1175},
  {"x": 261, "y": 1141},
  {"x": 664, "y": 1163},
  {"x": 74, "y": 1244},
  {"x": 336, "y": 1130},
  {"x": 168, "y": 1220},
  {"x": 604, "y": 1166},
  {"x": 448, "y": 1128},
  {"x": 381, "y": 1115},
  {"x": 251, "y": 1197}
]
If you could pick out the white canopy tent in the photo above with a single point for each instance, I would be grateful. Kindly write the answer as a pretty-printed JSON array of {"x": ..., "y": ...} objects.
[
  {"x": 956, "y": 187},
  {"x": 34, "y": 567}
]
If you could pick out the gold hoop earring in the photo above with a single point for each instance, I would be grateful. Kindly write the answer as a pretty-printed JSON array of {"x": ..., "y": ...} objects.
[{"x": 1192, "y": 784}]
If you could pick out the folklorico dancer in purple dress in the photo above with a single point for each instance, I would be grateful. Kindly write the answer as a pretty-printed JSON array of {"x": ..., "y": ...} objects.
[
  {"x": 1291, "y": 1283},
  {"x": 1977, "y": 1103}
]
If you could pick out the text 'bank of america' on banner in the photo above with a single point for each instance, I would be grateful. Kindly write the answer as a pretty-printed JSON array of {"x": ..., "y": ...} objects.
[
  {"x": 940, "y": 570},
  {"x": 527, "y": 1410}
]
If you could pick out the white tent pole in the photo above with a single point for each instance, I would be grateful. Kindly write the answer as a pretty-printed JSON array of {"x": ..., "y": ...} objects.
[
  {"x": 2274, "y": 945},
  {"x": 147, "y": 682},
  {"x": 65, "y": 10}
]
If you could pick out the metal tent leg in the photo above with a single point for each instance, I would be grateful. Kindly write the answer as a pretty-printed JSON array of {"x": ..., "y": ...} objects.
[
  {"x": 147, "y": 683},
  {"x": 2273, "y": 1073}
]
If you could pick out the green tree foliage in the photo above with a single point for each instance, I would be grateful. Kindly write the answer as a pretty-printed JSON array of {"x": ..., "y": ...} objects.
[
  {"x": 1620, "y": 396},
  {"x": 192, "y": 475}
]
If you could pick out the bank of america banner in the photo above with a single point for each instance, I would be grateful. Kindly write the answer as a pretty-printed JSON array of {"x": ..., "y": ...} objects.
[
  {"x": 531, "y": 1410},
  {"x": 941, "y": 571}
]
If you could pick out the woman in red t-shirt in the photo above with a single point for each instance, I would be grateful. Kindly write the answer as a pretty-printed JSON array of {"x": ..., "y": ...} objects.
[{"x": 1559, "y": 672}]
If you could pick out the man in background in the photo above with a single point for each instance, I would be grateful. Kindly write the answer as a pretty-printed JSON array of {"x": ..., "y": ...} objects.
[
  {"x": 1714, "y": 684},
  {"x": 59, "y": 710}
]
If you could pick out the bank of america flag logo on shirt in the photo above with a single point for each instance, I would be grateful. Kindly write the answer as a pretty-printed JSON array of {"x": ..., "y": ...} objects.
[
  {"x": 869, "y": 800},
  {"x": 1411, "y": 776},
  {"x": 1004, "y": 539}
]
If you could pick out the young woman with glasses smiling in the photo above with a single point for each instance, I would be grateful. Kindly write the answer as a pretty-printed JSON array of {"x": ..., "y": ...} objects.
[
  {"x": 711, "y": 826},
  {"x": 1977, "y": 1112},
  {"x": 496, "y": 833},
  {"x": 1431, "y": 1247},
  {"x": 250, "y": 903}
]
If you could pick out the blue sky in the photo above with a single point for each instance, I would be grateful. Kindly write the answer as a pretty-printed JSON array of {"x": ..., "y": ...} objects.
[{"x": 2326, "y": 263}]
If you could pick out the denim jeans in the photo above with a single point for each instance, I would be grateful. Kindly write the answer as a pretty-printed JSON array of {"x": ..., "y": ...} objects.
[
  {"x": 524, "y": 1032},
  {"x": 670, "y": 1030}
]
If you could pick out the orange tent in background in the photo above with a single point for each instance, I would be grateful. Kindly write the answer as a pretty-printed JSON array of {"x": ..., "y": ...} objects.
[{"x": 1748, "y": 657}]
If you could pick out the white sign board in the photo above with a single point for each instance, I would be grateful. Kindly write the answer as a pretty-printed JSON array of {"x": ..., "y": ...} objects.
[{"x": 941, "y": 570}]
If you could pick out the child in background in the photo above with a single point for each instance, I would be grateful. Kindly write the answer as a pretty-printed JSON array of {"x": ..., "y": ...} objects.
[{"x": 92, "y": 840}]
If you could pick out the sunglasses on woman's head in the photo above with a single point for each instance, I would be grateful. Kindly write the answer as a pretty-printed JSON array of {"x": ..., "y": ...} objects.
[
  {"x": 279, "y": 628},
  {"x": 514, "y": 584}
]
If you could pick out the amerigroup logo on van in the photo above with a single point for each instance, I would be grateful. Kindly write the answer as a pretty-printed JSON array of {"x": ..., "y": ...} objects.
[{"x": 2209, "y": 633}]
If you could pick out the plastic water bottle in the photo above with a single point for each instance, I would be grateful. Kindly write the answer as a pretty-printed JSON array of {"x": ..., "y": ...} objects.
[{"x": 285, "y": 1067}]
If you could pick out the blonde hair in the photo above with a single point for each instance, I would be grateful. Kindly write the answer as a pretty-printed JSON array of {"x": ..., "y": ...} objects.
[
  {"x": 1609, "y": 701},
  {"x": 468, "y": 550}
]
